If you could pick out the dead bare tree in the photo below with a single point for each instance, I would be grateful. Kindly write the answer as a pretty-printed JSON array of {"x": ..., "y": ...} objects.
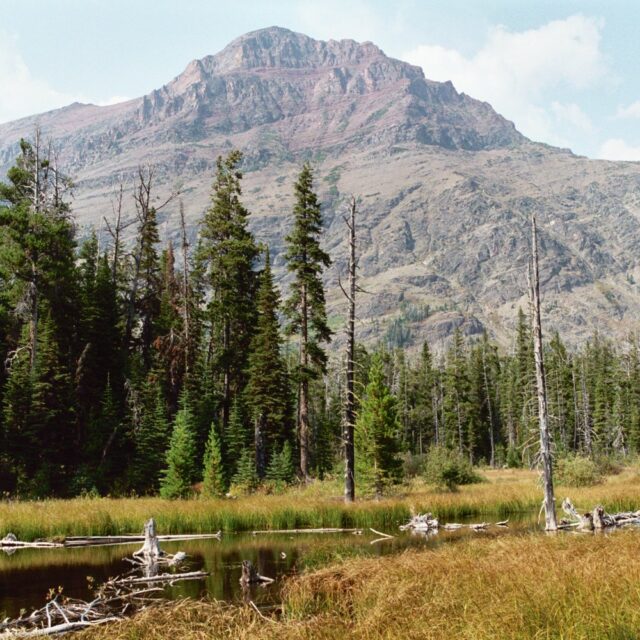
[
  {"x": 185, "y": 289},
  {"x": 350, "y": 400},
  {"x": 145, "y": 210},
  {"x": 117, "y": 228},
  {"x": 487, "y": 392},
  {"x": 545, "y": 443}
]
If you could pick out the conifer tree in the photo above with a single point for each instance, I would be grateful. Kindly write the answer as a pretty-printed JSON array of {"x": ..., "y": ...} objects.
[
  {"x": 181, "y": 468},
  {"x": 281, "y": 469},
  {"x": 267, "y": 390},
  {"x": 236, "y": 439},
  {"x": 246, "y": 479},
  {"x": 151, "y": 440},
  {"x": 377, "y": 431},
  {"x": 226, "y": 255},
  {"x": 457, "y": 405},
  {"x": 214, "y": 481},
  {"x": 305, "y": 306}
]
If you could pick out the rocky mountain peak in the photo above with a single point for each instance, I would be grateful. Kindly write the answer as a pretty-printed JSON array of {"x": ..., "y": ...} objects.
[{"x": 276, "y": 47}]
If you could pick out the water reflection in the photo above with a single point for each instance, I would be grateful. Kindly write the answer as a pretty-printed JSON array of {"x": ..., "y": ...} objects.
[{"x": 27, "y": 575}]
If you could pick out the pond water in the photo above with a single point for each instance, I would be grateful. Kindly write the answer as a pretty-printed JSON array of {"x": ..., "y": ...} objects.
[{"x": 26, "y": 575}]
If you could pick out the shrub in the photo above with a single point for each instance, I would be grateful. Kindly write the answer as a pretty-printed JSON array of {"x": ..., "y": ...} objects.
[
  {"x": 577, "y": 471},
  {"x": 412, "y": 465},
  {"x": 445, "y": 468}
]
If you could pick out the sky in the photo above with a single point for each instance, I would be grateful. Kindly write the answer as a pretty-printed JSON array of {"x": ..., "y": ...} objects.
[{"x": 564, "y": 71}]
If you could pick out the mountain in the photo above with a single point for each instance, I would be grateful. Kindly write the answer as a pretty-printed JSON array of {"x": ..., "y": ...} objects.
[{"x": 445, "y": 184}]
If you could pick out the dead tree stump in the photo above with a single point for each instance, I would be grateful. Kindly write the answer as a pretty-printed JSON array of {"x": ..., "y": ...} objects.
[
  {"x": 251, "y": 576},
  {"x": 150, "y": 550},
  {"x": 598, "y": 517}
]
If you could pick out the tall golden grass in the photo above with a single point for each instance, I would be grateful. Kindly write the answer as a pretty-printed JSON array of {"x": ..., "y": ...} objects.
[
  {"x": 566, "y": 586},
  {"x": 506, "y": 492}
]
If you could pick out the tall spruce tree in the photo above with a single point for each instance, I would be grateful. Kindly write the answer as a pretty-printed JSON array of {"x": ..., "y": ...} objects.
[
  {"x": 377, "y": 433},
  {"x": 181, "y": 466},
  {"x": 305, "y": 306},
  {"x": 214, "y": 482},
  {"x": 267, "y": 390},
  {"x": 226, "y": 256}
]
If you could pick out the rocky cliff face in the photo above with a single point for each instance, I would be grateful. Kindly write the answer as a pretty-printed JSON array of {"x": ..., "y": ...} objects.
[{"x": 445, "y": 184}]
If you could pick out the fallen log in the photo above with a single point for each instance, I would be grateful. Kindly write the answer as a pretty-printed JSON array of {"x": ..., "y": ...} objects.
[
  {"x": 421, "y": 522},
  {"x": 114, "y": 599},
  {"x": 164, "y": 577},
  {"x": 296, "y": 531},
  {"x": 11, "y": 541},
  {"x": 598, "y": 519},
  {"x": 65, "y": 627},
  {"x": 85, "y": 541}
]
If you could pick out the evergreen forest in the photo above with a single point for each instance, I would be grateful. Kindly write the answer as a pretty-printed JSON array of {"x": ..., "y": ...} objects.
[{"x": 133, "y": 367}]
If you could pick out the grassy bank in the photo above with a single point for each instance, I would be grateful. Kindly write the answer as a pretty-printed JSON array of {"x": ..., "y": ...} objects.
[
  {"x": 565, "y": 586},
  {"x": 505, "y": 492}
]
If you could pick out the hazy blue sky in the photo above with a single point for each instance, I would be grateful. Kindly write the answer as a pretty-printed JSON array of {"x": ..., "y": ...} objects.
[{"x": 565, "y": 71}]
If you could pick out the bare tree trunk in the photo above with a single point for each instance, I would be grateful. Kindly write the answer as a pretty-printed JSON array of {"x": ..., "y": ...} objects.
[
  {"x": 492, "y": 443},
  {"x": 436, "y": 422},
  {"x": 545, "y": 445},
  {"x": 303, "y": 410},
  {"x": 185, "y": 291},
  {"x": 586, "y": 414},
  {"x": 350, "y": 409},
  {"x": 261, "y": 452},
  {"x": 116, "y": 230}
]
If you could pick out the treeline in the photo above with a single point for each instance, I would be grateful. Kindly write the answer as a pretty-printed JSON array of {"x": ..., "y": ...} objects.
[{"x": 136, "y": 367}]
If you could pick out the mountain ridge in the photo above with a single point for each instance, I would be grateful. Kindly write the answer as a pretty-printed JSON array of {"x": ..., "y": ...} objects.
[{"x": 446, "y": 184}]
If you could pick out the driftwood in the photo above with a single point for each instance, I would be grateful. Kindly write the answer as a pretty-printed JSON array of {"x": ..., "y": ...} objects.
[
  {"x": 320, "y": 530},
  {"x": 87, "y": 541},
  {"x": 114, "y": 599},
  {"x": 597, "y": 519},
  {"x": 421, "y": 522},
  {"x": 10, "y": 541},
  {"x": 250, "y": 575},
  {"x": 427, "y": 523},
  {"x": 382, "y": 538}
]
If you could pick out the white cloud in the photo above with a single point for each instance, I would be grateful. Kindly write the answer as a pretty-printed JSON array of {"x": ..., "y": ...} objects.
[
  {"x": 336, "y": 19},
  {"x": 618, "y": 149},
  {"x": 519, "y": 73},
  {"x": 23, "y": 94},
  {"x": 572, "y": 114},
  {"x": 630, "y": 111},
  {"x": 112, "y": 100}
]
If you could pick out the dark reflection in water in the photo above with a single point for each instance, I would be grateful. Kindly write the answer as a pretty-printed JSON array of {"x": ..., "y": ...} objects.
[{"x": 27, "y": 575}]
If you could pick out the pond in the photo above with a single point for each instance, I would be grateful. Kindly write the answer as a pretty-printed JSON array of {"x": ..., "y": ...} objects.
[{"x": 26, "y": 575}]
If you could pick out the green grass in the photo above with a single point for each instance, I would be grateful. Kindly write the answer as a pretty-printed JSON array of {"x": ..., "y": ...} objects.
[{"x": 505, "y": 493}]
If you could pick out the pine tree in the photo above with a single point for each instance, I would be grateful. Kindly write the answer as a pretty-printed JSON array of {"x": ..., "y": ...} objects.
[
  {"x": 214, "y": 482},
  {"x": 305, "y": 306},
  {"x": 457, "y": 402},
  {"x": 267, "y": 389},
  {"x": 376, "y": 433},
  {"x": 181, "y": 470},
  {"x": 246, "y": 479},
  {"x": 281, "y": 469},
  {"x": 227, "y": 253},
  {"x": 423, "y": 417},
  {"x": 236, "y": 439},
  {"x": 151, "y": 440}
]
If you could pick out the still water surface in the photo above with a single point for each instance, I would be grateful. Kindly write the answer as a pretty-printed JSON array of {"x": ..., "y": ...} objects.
[{"x": 26, "y": 575}]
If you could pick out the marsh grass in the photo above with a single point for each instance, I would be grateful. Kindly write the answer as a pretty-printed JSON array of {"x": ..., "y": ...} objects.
[
  {"x": 564, "y": 586},
  {"x": 505, "y": 493}
]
